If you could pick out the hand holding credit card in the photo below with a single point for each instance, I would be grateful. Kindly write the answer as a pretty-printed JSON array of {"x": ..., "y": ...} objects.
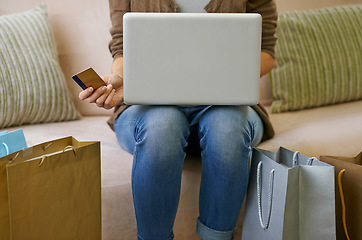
[
  {"x": 89, "y": 78},
  {"x": 105, "y": 93}
]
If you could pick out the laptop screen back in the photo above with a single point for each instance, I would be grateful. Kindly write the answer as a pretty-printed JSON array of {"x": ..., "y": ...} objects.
[{"x": 191, "y": 58}]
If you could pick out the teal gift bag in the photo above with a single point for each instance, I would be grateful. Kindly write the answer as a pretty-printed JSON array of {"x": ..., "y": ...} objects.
[
  {"x": 3, "y": 133},
  {"x": 11, "y": 142}
]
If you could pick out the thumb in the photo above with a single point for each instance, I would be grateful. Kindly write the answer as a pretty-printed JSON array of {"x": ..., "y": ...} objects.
[{"x": 106, "y": 79}]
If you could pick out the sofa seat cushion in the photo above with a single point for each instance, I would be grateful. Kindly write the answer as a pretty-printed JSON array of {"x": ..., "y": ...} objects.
[{"x": 331, "y": 130}]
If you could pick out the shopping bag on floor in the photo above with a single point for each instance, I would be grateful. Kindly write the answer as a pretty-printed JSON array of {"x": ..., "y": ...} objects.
[
  {"x": 348, "y": 172},
  {"x": 53, "y": 192},
  {"x": 11, "y": 142},
  {"x": 290, "y": 197}
]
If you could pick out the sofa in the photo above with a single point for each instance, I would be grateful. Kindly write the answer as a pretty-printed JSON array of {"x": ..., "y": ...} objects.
[{"x": 81, "y": 32}]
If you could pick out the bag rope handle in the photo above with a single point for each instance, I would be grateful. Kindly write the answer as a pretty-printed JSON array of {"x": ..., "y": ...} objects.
[
  {"x": 271, "y": 181},
  {"x": 15, "y": 157},
  {"x": 70, "y": 147},
  {"x": 46, "y": 146},
  {"x": 295, "y": 159},
  {"x": 67, "y": 147},
  {"x": 310, "y": 161},
  {"x": 343, "y": 203},
  {"x": 6, "y": 148}
]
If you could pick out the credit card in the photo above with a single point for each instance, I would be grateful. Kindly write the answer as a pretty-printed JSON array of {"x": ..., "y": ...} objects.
[{"x": 89, "y": 78}]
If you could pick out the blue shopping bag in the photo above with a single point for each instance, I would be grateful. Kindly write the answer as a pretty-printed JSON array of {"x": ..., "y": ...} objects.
[
  {"x": 3, "y": 133},
  {"x": 11, "y": 142}
]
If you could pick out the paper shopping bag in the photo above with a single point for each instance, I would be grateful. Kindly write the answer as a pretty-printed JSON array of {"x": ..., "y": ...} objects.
[
  {"x": 54, "y": 191},
  {"x": 4, "y": 207},
  {"x": 290, "y": 196},
  {"x": 348, "y": 171},
  {"x": 11, "y": 142}
]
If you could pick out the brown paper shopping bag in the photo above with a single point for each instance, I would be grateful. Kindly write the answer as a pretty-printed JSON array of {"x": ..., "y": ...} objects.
[
  {"x": 4, "y": 208},
  {"x": 53, "y": 191},
  {"x": 348, "y": 171}
]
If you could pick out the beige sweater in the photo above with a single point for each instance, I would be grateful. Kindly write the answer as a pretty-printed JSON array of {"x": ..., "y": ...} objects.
[{"x": 266, "y": 8}]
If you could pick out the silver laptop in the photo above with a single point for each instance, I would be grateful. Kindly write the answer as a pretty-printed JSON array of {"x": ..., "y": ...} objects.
[{"x": 191, "y": 58}]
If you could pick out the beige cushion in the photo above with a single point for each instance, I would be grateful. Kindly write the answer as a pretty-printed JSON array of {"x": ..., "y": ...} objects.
[
  {"x": 81, "y": 31},
  {"x": 33, "y": 88},
  {"x": 331, "y": 130},
  {"x": 318, "y": 58}
]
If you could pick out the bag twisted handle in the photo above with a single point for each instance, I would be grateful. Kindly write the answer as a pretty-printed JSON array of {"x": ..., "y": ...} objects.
[
  {"x": 295, "y": 159},
  {"x": 342, "y": 202},
  {"x": 6, "y": 148},
  {"x": 67, "y": 147},
  {"x": 271, "y": 181}
]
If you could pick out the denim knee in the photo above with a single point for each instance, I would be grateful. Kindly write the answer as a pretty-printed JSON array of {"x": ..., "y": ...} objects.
[
  {"x": 226, "y": 132},
  {"x": 164, "y": 129},
  {"x": 227, "y": 121},
  {"x": 154, "y": 126}
]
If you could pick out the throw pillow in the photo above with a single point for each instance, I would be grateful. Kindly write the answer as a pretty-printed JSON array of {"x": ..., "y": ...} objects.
[
  {"x": 32, "y": 84},
  {"x": 318, "y": 58}
]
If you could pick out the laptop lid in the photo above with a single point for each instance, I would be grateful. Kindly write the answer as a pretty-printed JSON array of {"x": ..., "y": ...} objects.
[{"x": 191, "y": 58}]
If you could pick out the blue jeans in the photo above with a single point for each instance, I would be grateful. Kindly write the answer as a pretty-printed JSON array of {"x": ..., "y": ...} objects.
[{"x": 158, "y": 136}]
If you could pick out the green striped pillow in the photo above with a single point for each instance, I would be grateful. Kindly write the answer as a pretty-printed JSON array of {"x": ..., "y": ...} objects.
[
  {"x": 32, "y": 84},
  {"x": 319, "y": 58}
]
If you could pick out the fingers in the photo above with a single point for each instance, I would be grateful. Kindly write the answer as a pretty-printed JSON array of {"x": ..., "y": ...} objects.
[
  {"x": 97, "y": 96},
  {"x": 109, "y": 103},
  {"x": 100, "y": 96},
  {"x": 107, "y": 79},
  {"x": 85, "y": 93}
]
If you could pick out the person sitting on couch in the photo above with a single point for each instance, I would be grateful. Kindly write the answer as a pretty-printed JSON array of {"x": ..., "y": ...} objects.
[{"x": 157, "y": 136}]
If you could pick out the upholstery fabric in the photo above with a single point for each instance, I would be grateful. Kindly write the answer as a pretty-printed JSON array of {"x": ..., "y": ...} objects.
[
  {"x": 319, "y": 60},
  {"x": 32, "y": 84}
]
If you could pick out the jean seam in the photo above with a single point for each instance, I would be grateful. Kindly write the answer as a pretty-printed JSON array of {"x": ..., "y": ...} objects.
[
  {"x": 255, "y": 126},
  {"x": 136, "y": 122}
]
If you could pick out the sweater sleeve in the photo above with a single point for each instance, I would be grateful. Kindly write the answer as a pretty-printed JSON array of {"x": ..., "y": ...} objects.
[
  {"x": 268, "y": 11},
  {"x": 117, "y": 9}
]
